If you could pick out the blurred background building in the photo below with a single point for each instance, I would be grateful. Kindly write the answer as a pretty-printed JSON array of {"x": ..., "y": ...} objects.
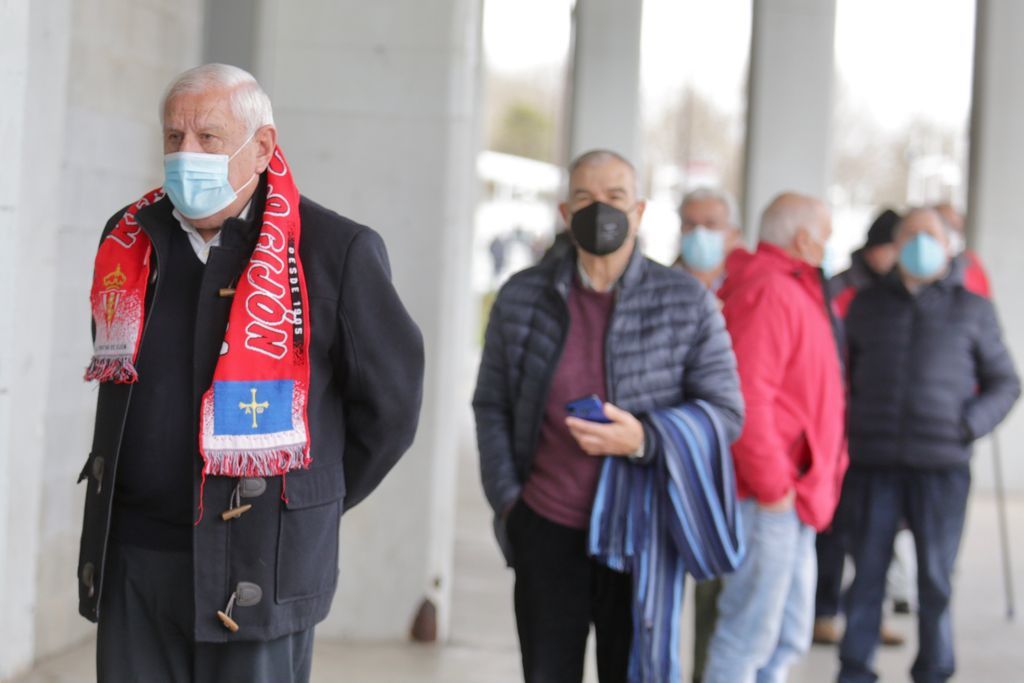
[{"x": 446, "y": 125}]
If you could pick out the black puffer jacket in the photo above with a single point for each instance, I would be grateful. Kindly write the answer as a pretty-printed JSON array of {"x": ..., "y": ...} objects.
[
  {"x": 929, "y": 373},
  {"x": 858, "y": 276},
  {"x": 666, "y": 344}
]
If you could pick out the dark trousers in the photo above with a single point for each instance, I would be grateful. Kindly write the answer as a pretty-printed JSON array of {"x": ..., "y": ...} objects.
[
  {"x": 934, "y": 504},
  {"x": 145, "y": 631},
  {"x": 559, "y": 593},
  {"x": 830, "y": 547},
  {"x": 705, "y": 616}
]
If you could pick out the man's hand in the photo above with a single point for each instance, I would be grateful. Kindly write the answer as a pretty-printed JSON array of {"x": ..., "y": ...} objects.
[
  {"x": 782, "y": 504},
  {"x": 622, "y": 436}
]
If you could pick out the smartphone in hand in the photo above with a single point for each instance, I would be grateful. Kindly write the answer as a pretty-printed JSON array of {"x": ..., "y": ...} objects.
[{"x": 588, "y": 408}]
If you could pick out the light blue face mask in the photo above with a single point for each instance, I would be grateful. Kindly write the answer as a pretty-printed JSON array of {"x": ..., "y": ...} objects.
[
  {"x": 198, "y": 184},
  {"x": 702, "y": 249},
  {"x": 923, "y": 257}
]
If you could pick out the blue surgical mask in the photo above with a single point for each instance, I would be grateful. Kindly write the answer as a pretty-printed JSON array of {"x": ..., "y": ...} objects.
[
  {"x": 923, "y": 257},
  {"x": 198, "y": 184},
  {"x": 702, "y": 249}
]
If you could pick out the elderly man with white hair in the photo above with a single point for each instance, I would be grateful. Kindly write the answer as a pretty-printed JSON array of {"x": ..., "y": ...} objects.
[
  {"x": 791, "y": 455},
  {"x": 258, "y": 375}
]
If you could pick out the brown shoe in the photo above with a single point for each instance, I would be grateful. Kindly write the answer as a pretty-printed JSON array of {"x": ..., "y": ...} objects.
[
  {"x": 890, "y": 638},
  {"x": 826, "y": 632}
]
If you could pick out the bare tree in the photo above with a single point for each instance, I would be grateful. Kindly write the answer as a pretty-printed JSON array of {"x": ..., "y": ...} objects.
[{"x": 692, "y": 131}]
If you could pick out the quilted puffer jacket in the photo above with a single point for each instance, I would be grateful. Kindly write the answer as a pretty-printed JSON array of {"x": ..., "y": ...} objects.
[
  {"x": 929, "y": 373},
  {"x": 666, "y": 344}
]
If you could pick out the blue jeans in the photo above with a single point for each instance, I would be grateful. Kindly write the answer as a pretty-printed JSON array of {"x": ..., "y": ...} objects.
[
  {"x": 766, "y": 609},
  {"x": 934, "y": 503}
]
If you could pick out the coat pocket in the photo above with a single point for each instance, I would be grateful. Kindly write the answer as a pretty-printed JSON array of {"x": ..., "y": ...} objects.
[{"x": 307, "y": 544}]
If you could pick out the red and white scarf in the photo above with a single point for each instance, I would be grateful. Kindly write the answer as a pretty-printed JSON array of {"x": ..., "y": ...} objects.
[{"x": 253, "y": 417}]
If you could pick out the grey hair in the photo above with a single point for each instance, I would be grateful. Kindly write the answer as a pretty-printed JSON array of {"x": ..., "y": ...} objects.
[
  {"x": 787, "y": 213},
  {"x": 719, "y": 195},
  {"x": 947, "y": 229},
  {"x": 249, "y": 103},
  {"x": 596, "y": 157},
  {"x": 937, "y": 208}
]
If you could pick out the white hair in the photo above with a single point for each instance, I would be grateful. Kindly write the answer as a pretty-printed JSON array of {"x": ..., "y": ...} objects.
[
  {"x": 249, "y": 103},
  {"x": 784, "y": 217},
  {"x": 717, "y": 194}
]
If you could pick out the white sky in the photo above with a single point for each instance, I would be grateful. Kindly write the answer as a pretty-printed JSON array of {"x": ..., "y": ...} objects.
[
  {"x": 703, "y": 43},
  {"x": 908, "y": 57},
  {"x": 526, "y": 34},
  {"x": 901, "y": 58}
]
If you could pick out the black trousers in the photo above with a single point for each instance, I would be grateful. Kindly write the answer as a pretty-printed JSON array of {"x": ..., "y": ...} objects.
[
  {"x": 934, "y": 503},
  {"x": 831, "y": 550},
  {"x": 559, "y": 593},
  {"x": 145, "y": 631}
]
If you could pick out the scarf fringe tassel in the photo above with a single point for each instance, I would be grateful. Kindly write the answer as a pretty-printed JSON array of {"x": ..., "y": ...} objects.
[
  {"x": 118, "y": 369},
  {"x": 257, "y": 463}
]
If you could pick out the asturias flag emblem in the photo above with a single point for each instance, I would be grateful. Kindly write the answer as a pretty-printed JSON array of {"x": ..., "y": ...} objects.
[{"x": 263, "y": 407}]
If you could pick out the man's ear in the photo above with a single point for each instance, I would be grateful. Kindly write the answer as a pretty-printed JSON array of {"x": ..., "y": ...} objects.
[
  {"x": 641, "y": 206},
  {"x": 733, "y": 237},
  {"x": 801, "y": 239},
  {"x": 802, "y": 243},
  {"x": 563, "y": 211},
  {"x": 266, "y": 142}
]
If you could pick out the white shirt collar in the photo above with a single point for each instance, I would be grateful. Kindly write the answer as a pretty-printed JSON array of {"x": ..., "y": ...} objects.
[{"x": 199, "y": 245}]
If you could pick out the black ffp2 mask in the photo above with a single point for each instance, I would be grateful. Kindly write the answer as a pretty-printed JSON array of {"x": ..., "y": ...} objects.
[{"x": 599, "y": 228}]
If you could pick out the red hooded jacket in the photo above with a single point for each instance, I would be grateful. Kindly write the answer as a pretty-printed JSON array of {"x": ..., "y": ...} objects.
[{"x": 794, "y": 434}]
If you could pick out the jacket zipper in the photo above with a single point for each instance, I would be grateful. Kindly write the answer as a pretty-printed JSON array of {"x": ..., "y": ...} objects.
[
  {"x": 908, "y": 373},
  {"x": 609, "y": 391}
]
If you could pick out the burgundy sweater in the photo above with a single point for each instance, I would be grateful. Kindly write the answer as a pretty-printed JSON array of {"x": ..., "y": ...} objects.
[{"x": 563, "y": 480}]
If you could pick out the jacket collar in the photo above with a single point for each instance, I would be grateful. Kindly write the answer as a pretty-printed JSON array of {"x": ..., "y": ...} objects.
[
  {"x": 741, "y": 266},
  {"x": 241, "y": 233},
  {"x": 565, "y": 269},
  {"x": 158, "y": 222},
  {"x": 861, "y": 274},
  {"x": 776, "y": 257}
]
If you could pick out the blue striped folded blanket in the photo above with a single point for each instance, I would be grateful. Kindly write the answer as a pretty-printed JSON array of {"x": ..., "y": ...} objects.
[{"x": 659, "y": 521}]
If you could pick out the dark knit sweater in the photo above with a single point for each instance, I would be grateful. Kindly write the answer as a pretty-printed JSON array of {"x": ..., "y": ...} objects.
[{"x": 153, "y": 495}]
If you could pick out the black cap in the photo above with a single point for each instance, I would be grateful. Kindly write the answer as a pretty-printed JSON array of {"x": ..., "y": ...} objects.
[{"x": 883, "y": 229}]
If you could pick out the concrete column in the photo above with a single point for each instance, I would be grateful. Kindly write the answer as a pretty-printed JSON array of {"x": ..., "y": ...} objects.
[
  {"x": 790, "y": 102},
  {"x": 605, "y": 110},
  {"x": 15, "y": 610},
  {"x": 994, "y": 211},
  {"x": 33, "y": 463},
  {"x": 230, "y": 32},
  {"x": 376, "y": 107}
]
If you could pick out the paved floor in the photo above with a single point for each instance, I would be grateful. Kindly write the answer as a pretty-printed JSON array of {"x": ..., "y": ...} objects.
[{"x": 482, "y": 648}]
